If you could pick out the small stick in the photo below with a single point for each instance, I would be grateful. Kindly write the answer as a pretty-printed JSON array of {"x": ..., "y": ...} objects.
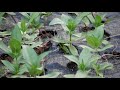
[
  {"x": 115, "y": 46},
  {"x": 112, "y": 36}
]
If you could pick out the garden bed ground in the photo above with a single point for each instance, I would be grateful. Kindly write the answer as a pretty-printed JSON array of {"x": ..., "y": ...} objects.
[{"x": 55, "y": 61}]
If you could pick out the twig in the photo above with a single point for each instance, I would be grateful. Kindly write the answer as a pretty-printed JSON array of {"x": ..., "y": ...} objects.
[
  {"x": 43, "y": 66},
  {"x": 112, "y": 36},
  {"x": 13, "y": 18},
  {"x": 108, "y": 55},
  {"x": 115, "y": 46},
  {"x": 93, "y": 15}
]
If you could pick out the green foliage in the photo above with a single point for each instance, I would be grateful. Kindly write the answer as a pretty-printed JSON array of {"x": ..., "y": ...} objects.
[
  {"x": 23, "y": 26},
  {"x": 16, "y": 33},
  {"x": 32, "y": 19},
  {"x": 32, "y": 61},
  {"x": 72, "y": 49},
  {"x": 79, "y": 74},
  {"x": 69, "y": 25},
  {"x": 94, "y": 38},
  {"x": 15, "y": 46},
  {"x": 1, "y": 16},
  {"x": 50, "y": 75},
  {"x": 100, "y": 67},
  {"x": 5, "y": 48},
  {"x": 85, "y": 59},
  {"x": 93, "y": 41},
  {"x": 14, "y": 67},
  {"x": 96, "y": 41},
  {"x": 24, "y": 35}
]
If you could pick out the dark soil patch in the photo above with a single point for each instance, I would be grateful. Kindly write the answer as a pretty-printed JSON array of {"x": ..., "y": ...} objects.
[
  {"x": 6, "y": 57},
  {"x": 72, "y": 66}
]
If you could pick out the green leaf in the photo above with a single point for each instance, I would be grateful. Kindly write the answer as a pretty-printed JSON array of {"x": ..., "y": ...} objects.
[
  {"x": 16, "y": 33},
  {"x": 101, "y": 74},
  {"x": 84, "y": 46},
  {"x": 50, "y": 75},
  {"x": 93, "y": 41},
  {"x": 95, "y": 38},
  {"x": 19, "y": 76},
  {"x": 64, "y": 48},
  {"x": 1, "y": 16},
  {"x": 78, "y": 35},
  {"x": 65, "y": 18},
  {"x": 65, "y": 28},
  {"x": 86, "y": 21},
  {"x": 98, "y": 32},
  {"x": 43, "y": 55},
  {"x": 98, "y": 20},
  {"x": 69, "y": 76},
  {"x": 91, "y": 18},
  {"x": 80, "y": 17},
  {"x": 106, "y": 47},
  {"x": 25, "y": 14},
  {"x": 58, "y": 40},
  {"x": 94, "y": 59},
  {"x": 105, "y": 42},
  {"x": 5, "y": 33},
  {"x": 106, "y": 65},
  {"x": 33, "y": 16},
  {"x": 8, "y": 65},
  {"x": 33, "y": 69},
  {"x": 11, "y": 13},
  {"x": 4, "y": 48},
  {"x": 81, "y": 74},
  {"x": 22, "y": 70},
  {"x": 15, "y": 46},
  {"x": 23, "y": 26},
  {"x": 73, "y": 50},
  {"x": 72, "y": 58},
  {"x": 57, "y": 21},
  {"x": 29, "y": 55},
  {"x": 71, "y": 24},
  {"x": 85, "y": 56}
]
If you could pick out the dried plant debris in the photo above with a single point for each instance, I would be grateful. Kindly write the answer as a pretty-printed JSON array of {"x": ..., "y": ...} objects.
[
  {"x": 44, "y": 47},
  {"x": 6, "y": 57},
  {"x": 46, "y": 34}
]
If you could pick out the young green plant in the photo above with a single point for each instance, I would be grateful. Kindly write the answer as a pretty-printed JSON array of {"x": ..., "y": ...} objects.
[
  {"x": 102, "y": 66},
  {"x": 33, "y": 62},
  {"x": 14, "y": 50},
  {"x": 68, "y": 23},
  {"x": 96, "y": 41},
  {"x": 85, "y": 60}
]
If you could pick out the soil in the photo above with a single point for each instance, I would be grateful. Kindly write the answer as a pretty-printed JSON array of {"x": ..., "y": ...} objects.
[{"x": 56, "y": 61}]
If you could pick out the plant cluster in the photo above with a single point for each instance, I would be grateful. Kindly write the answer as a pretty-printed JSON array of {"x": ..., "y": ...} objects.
[
  {"x": 89, "y": 57},
  {"x": 27, "y": 63}
]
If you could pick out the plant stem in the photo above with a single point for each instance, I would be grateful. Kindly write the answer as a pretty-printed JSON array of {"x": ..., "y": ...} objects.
[
  {"x": 113, "y": 36},
  {"x": 93, "y": 15},
  {"x": 84, "y": 24},
  {"x": 13, "y": 18},
  {"x": 89, "y": 20},
  {"x": 70, "y": 39}
]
